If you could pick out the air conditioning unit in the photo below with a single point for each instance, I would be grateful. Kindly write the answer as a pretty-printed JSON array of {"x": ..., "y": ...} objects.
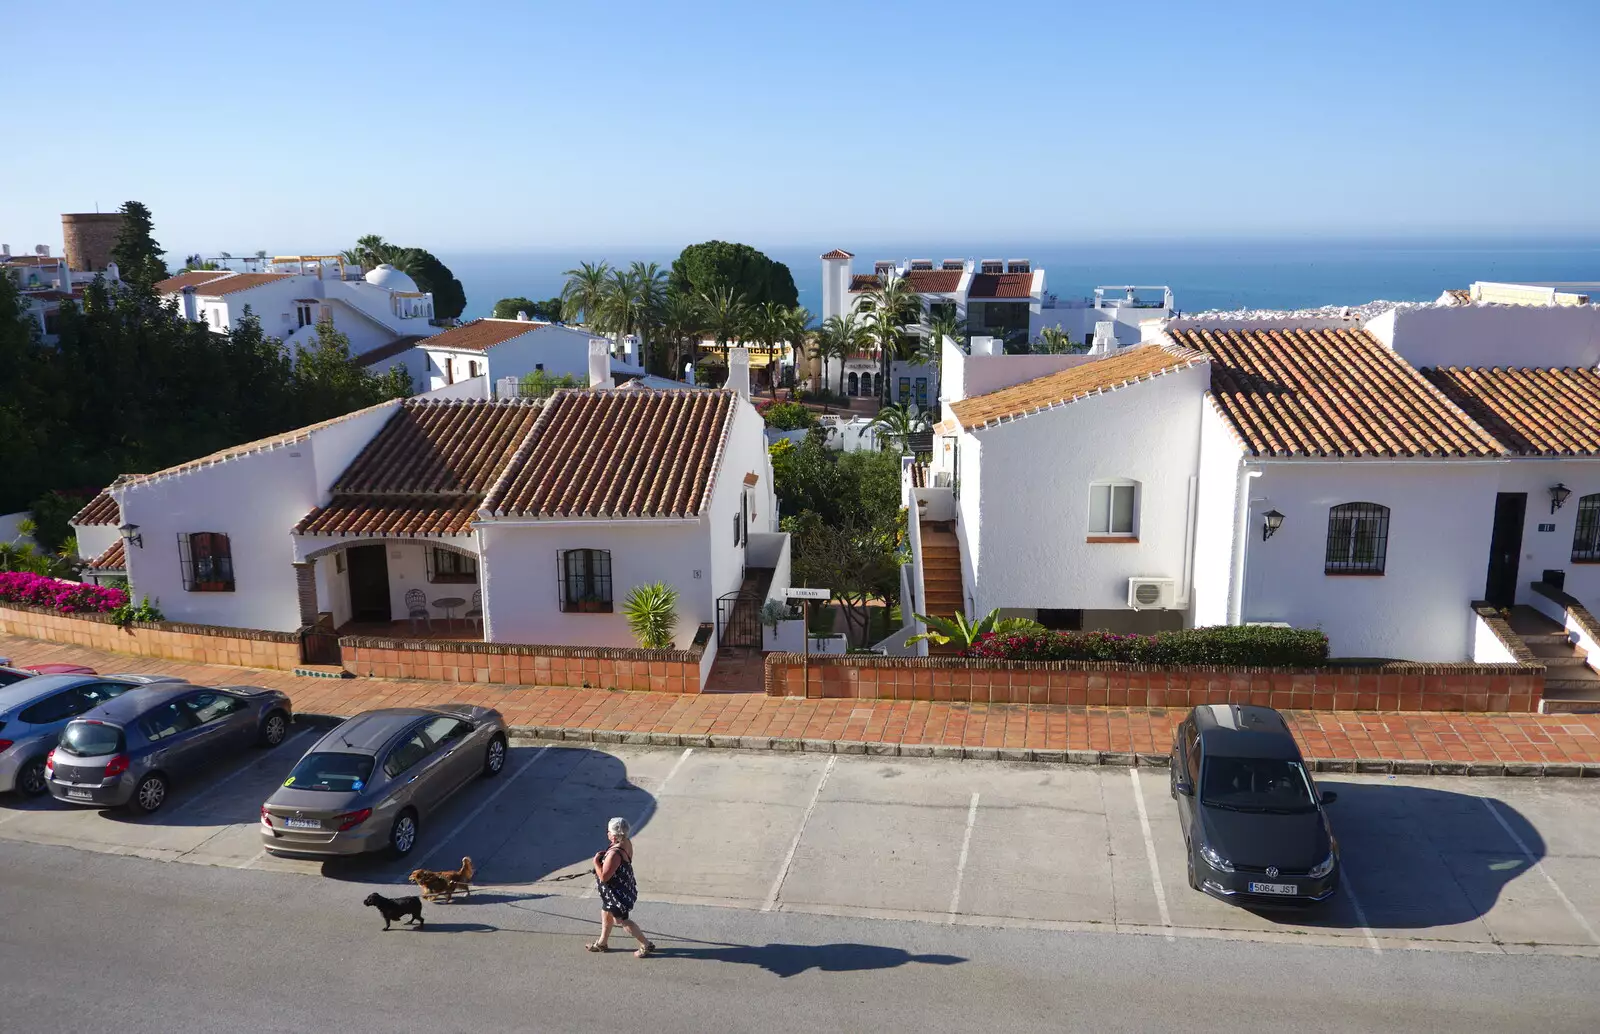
[{"x": 1150, "y": 593}]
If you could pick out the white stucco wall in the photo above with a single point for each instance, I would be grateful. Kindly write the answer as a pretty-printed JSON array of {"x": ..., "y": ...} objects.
[
  {"x": 1492, "y": 335},
  {"x": 1215, "y": 531},
  {"x": 93, "y": 539},
  {"x": 1035, "y": 497},
  {"x": 967, "y": 375},
  {"x": 1543, "y": 550}
]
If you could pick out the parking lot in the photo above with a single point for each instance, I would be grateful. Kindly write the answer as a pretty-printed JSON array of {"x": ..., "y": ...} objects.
[{"x": 1448, "y": 863}]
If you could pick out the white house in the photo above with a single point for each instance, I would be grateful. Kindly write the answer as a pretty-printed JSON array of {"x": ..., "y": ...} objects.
[
  {"x": 1373, "y": 479},
  {"x": 535, "y": 517},
  {"x": 381, "y": 312},
  {"x": 500, "y": 349},
  {"x": 45, "y": 281},
  {"x": 100, "y": 547}
]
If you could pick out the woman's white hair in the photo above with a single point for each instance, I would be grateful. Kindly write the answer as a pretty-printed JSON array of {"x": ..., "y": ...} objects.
[{"x": 617, "y": 827}]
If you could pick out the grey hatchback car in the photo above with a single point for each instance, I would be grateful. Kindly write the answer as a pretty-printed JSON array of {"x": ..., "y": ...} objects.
[
  {"x": 33, "y": 711},
  {"x": 129, "y": 750},
  {"x": 368, "y": 784}
]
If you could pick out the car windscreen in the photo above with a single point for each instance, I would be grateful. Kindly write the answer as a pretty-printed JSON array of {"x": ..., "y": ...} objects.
[
  {"x": 90, "y": 739},
  {"x": 8, "y": 677},
  {"x": 1255, "y": 784},
  {"x": 340, "y": 773}
]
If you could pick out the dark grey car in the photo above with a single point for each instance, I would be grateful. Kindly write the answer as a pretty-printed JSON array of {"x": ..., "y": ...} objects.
[
  {"x": 34, "y": 710},
  {"x": 130, "y": 750},
  {"x": 371, "y": 782}
]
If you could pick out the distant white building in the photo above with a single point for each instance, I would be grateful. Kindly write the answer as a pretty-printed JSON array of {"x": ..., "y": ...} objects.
[{"x": 45, "y": 281}]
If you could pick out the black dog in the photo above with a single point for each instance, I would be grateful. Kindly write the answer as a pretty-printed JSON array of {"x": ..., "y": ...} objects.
[{"x": 394, "y": 908}]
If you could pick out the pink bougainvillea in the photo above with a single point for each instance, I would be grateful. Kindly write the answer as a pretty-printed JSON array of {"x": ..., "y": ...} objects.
[{"x": 35, "y": 590}]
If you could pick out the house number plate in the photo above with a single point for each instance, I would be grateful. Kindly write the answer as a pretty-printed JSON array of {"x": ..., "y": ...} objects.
[{"x": 1547, "y": 527}]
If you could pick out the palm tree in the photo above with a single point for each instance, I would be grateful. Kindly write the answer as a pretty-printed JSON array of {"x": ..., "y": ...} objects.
[
  {"x": 727, "y": 315},
  {"x": 585, "y": 290},
  {"x": 946, "y": 325},
  {"x": 840, "y": 338},
  {"x": 797, "y": 329},
  {"x": 682, "y": 316},
  {"x": 769, "y": 324},
  {"x": 650, "y": 293},
  {"x": 900, "y": 423},
  {"x": 889, "y": 308},
  {"x": 618, "y": 302},
  {"x": 1055, "y": 341}
]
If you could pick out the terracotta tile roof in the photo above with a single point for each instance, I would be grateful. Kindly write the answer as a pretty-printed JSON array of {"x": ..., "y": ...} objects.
[
  {"x": 1330, "y": 392},
  {"x": 389, "y": 351},
  {"x": 193, "y": 278},
  {"x": 239, "y": 282},
  {"x": 618, "y": 454},
  {"x": 1001, "y": 285},
  {"x": 1461, "y": 295},
  {"x": 922, "y": 281},
  {"x": 426, "y": 471},
  {"x": 863, "y": 282},
  {"x": 113, "y": 559},
  {"x": 481, "y": 334},
  {"x": 1076, "y": 382},
  {"x": 838, "y": 253},
  {"x": 1532, "y": 412},
  {"x": 32, "y": 260},
  {"x": 102, "y": 509}
]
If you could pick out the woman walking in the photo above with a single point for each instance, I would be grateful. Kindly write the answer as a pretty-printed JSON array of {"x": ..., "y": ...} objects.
[{"x": 613, "y": 874}]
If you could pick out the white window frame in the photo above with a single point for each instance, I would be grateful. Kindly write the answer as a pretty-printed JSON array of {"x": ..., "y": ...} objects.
[{"x": 1111, "y": 488}]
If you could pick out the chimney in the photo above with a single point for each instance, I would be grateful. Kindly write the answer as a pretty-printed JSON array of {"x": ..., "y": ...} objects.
[
  {"x": 522, "y": 317},
  {"x": 599, "y": 363},
  {"x": 5, "y": 251},
  {"x": 739, "y": 371},
  {"x": 112, "y": 273},
  {"x": 507, "y": 388}
]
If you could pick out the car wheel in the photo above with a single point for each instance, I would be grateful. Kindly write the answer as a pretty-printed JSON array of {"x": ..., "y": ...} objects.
[
  {"x": 275, "y": 729},
  {"x": 494, "y": 759},
  {"x": 30, "y": 778},
  {"x": 403, "y": 834},
  {"x": 150, "y": 794},
  {"x": 1194, "y": 884}
]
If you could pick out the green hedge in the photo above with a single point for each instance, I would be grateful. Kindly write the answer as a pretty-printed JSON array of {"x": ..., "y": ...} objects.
[{"x": 1234, "y": 645}]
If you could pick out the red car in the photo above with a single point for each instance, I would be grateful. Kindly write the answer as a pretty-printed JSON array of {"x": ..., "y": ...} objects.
[{"x": 59, "y": 669}]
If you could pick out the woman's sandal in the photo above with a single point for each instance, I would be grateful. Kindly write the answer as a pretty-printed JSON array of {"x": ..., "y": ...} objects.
[
  {"x": 644, "y": 952},
  {"x": 596, "y": 946}
]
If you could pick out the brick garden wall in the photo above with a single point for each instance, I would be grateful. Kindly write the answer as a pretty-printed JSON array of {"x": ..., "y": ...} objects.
[
  {"x": 1388, "y": 687},
  {"x": 660, "y": 671},
  {"x": 173, "y": 641}
]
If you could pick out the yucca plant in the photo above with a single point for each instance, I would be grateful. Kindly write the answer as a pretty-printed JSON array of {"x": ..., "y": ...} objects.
[
  {"x": 652, "y": 613},
  {"x": 958, "y": 630}
]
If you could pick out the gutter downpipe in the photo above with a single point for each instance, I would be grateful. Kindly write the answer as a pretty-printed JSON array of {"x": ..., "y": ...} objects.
[
  {"x": 1241, "y": 532},
  {"x": 1188, "y": 543}
]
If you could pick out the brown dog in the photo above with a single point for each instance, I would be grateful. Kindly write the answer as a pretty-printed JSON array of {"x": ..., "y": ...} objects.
[{"x": 443, "y": 884}]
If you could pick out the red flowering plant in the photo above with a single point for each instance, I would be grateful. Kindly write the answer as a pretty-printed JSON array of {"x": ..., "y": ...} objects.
[
  {"x": 35, "y": 590},
  {"x": 1222, "y": 644}
]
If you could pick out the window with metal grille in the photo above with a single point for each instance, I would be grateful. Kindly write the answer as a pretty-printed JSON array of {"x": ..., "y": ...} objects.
[
  {"x": 1358, "y": 538},
  {"x": 586, "y": 580},
  {"x": 1586, "y": 536},
  {"x": 448, "y": 566},
  {"x": 206, "y": 560}
]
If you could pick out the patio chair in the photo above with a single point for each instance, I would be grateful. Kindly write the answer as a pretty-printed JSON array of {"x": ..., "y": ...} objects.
[
  {"x": 474, "y": 613},
  {"x": 417, "y": 610}
]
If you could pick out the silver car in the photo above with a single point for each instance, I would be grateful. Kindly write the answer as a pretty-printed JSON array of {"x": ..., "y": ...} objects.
[
  {"x": 371, "y": 782},
  {"x": 129, "y": 750},
  {"x": 34, "y": 710}
]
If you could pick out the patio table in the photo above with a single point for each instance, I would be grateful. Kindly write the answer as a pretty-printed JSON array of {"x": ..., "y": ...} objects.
[{"x": 448, "y": 604}]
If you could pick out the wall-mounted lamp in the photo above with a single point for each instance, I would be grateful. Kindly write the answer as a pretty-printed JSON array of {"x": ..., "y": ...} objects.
[
  {"x": 1558, "y": 495},
  {"x": 130, "y": 534},
  {"x": 1271, "y": 521}
]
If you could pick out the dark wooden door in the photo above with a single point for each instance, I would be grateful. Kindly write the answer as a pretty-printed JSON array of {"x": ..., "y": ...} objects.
[
  {"x": 1505, "y": 548},
  {"x": 368, "y": 571}
]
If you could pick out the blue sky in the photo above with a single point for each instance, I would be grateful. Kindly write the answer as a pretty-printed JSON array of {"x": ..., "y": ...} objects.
[{"x": 522, "y": 126}]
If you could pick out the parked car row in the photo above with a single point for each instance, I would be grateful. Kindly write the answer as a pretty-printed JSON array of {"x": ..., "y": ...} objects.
[{"x": 122, "y": 740}]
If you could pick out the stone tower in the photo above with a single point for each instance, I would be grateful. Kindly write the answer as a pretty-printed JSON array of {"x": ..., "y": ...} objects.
[{"x": 88, "y": 238}]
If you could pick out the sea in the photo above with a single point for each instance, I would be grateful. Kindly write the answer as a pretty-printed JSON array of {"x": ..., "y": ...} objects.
[{"x": 1204, "y": 275}]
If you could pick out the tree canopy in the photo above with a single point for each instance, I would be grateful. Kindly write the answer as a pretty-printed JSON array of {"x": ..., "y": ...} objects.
[
  {"x": 431, "y": 275},
  {"x": 136, "y": 253},
  {"x": 507, "y": 308},
  {"x": 702, "y": 269}
]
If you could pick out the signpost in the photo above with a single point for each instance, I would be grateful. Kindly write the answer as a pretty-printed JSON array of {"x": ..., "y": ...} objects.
[{"x": 805, "y": 654}]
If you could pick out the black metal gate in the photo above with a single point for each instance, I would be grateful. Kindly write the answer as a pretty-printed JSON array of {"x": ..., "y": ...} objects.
[{"x": 739, "y": 620}]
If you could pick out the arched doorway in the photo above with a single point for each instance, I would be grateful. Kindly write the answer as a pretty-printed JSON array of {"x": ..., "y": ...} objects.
[{"x": 853, "y": 383}]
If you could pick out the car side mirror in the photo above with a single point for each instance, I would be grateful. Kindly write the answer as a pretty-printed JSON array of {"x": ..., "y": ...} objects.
[
  {"x": 1185, "y": 788},
  {"x": 1328, "y": 797}
]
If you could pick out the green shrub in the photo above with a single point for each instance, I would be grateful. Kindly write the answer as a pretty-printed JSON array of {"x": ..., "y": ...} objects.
[
  {"x": 1232, "y": 645},
  {"x": 790, "y": 416},
  {"x": 652, "y": 613}
]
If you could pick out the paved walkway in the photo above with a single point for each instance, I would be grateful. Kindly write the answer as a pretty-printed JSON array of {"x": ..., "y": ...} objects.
[{"x": 1489, "y": 739}]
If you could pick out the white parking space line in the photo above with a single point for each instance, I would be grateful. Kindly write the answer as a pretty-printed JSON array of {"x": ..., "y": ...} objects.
[
  {"x": 479, "y": 810},
  {"x": 1536, "y": 864},
  {"x": 961, "y": 864},
  {"x": 1150, "y": 852},
  {"x": 250, "y": 766},
  {"x": 788, "y": 859},
  {"x": 251, "y": 862},
  {"x": 1361, "y": 915}
]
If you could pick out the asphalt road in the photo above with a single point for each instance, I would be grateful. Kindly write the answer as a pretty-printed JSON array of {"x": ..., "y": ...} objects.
[{"x": 93, "y": 941}]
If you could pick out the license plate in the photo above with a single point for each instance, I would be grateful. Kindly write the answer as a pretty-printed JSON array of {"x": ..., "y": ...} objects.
[
  {"x": 82, "y": 795},
  {"x": 302, "y": 823},
  {"x": 1274, "y": 888}
]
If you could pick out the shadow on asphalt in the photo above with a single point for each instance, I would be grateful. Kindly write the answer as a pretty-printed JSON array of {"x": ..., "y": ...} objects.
[
  {"x": 1418, "y": 857},
  {"x": 787, "y": 960}
]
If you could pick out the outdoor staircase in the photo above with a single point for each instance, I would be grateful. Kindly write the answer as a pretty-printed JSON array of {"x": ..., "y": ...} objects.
[
  {"x": 942, "y": 595},
  {"x": 1570, "y": 685}
]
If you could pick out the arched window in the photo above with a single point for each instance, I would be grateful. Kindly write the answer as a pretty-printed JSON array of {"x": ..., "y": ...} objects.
[
  {"x": 1358, "y": 538},
  {"x": 1114, "y": 508},
  {"x": 853, "y": 385},
  {"x": 1586, "y": 536},
  {"x": 586, "y": 580}
]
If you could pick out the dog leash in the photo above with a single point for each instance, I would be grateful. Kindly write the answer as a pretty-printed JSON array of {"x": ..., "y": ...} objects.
[{"x": 565, "y": 876}]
